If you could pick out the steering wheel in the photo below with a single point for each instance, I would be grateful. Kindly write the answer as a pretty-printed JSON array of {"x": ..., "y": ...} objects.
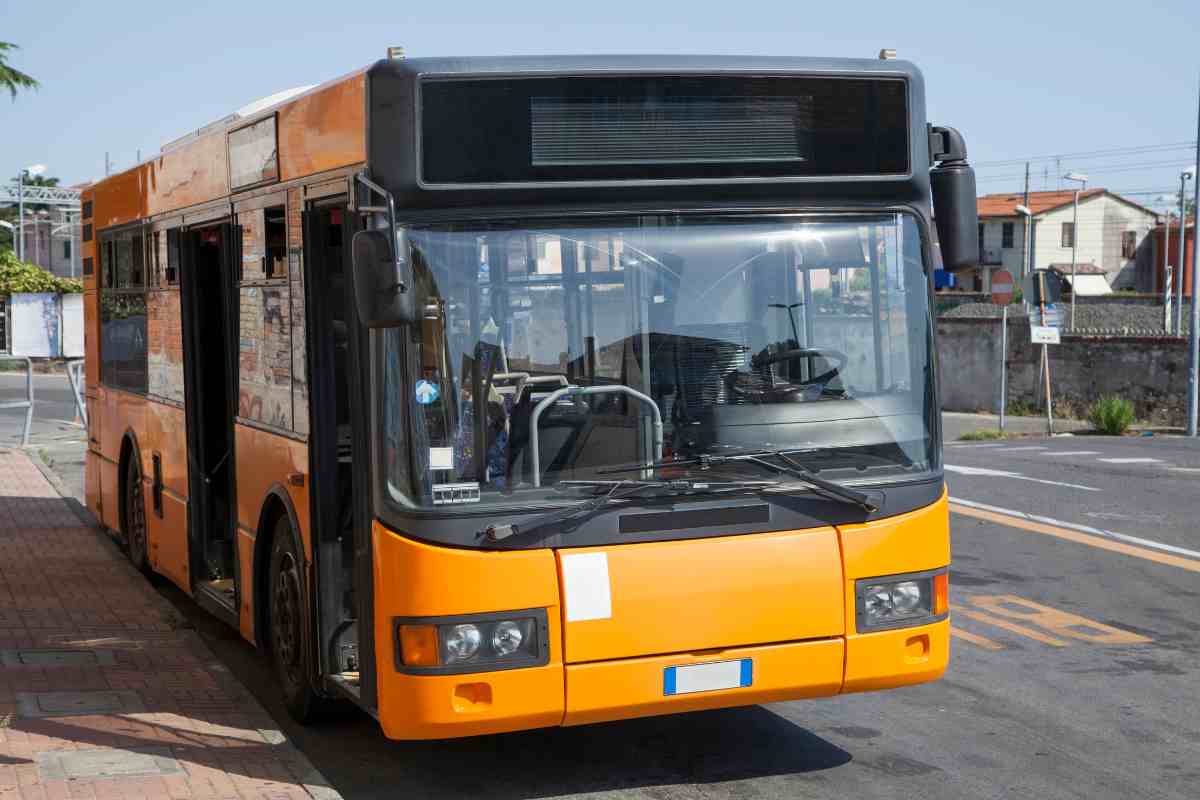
[{"x": 765, "y": 359}]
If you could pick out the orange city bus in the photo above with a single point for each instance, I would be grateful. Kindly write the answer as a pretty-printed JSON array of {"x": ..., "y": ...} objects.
[{"x": 498, "y": 393}]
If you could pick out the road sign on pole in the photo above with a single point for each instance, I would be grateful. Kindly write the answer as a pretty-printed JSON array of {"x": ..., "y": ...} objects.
[{"x": 1002, "y": 287}]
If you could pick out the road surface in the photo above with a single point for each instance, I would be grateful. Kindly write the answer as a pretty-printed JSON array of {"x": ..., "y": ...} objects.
[{"x": 1075, "y": 589}]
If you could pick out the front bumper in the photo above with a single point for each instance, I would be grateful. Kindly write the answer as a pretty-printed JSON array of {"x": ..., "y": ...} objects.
[{"x": 446, "y": 706}]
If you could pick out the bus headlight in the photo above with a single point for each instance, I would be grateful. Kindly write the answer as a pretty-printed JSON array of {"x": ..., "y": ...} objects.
[
  {"x": 898, "y": 601},
  {"x": 473, "y": 643}
]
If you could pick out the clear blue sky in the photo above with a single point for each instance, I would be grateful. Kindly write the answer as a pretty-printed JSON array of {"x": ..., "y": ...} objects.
[{"x": 1030, "y": 79}]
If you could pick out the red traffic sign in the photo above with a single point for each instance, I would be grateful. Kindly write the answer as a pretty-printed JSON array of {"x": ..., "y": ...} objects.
[{"x": 1002, "y": 287}]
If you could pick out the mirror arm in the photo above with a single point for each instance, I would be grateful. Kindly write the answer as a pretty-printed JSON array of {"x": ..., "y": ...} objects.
[{"x": 371, "y": 186}]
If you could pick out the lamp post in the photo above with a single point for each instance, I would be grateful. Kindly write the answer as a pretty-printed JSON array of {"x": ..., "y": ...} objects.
[
  {"x": 1180, "y": 270},
  {"x": 32, "y": 170},
  {"x": 1081, "y": 179},
  {"x": 1027, "y": 245}
]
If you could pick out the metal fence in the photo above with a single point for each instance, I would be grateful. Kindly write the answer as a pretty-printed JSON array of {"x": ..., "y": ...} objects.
[
  {"x": 27, "y": 403},
  {"x": 5, "y": 344}
]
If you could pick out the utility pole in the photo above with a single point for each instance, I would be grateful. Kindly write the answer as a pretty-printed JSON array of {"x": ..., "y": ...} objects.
[
  {"x": 1081, "y": 180},
  {"x": 1028, "y": 228},
  {"x": 1194, "y": 361},
  {"x": 107, "y": 164},
  {"x": 1179, "y": 269},
  {"x": 21, "y": 215},
  {"x": 1168, "y": 291}
]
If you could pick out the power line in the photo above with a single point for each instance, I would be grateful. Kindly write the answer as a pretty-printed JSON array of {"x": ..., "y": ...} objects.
[{"x": 1141, "y": 149}]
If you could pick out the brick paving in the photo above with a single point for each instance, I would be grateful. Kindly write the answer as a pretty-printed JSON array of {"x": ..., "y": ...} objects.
[{"x": 103, "y": 693}]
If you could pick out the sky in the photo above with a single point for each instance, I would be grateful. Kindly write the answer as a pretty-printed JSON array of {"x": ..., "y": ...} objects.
[{"x": 1020, "y": 80}]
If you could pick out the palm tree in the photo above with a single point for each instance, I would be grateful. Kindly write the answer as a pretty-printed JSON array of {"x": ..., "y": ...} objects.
[{"x": 12, "y": 78}]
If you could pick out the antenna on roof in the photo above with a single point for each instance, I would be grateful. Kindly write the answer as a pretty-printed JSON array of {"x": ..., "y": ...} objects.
[
  {"x": 887, "y": 54},
  {"x": 395, "y": 53}
]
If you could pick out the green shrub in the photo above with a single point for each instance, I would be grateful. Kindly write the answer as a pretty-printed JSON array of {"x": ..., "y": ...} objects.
[
  {"x": 1019, "y": 408},
  {"x": 19, "y": 276},
  {"x": 983, "y": 435},
  {"x": 1111, "y": 414}
]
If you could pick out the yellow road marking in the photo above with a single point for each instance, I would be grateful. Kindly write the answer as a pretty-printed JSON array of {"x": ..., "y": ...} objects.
[
  {"x": 976, "y": 639},
  {"x": 1062, "y": 623},
  {"x": 1000, "y": 622},
  {"x": 1098, "y": 542}
]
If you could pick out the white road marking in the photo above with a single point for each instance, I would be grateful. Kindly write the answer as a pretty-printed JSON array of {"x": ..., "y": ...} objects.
[
  {"x": 1130, "y": 460},
  {"x": 1073, "y": 453},
  {"x": 1121, "y": 537},
  {"x": 999, "y": 473},
  {"x": 1018, "y": 449},
  {"x": 1184, "y": 469},
  {"x": 966, "y": 444}
]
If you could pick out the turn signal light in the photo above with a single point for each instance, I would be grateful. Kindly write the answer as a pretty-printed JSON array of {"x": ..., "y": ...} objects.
[
  {"x": 941, "y": 593},
  {"x": 419, "y": 645}
]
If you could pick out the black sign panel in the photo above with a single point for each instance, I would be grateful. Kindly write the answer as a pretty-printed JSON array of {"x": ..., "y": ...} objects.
[{"x": 574, "y": 129}]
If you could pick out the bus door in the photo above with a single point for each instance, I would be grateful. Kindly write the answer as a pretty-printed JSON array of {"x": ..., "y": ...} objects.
[
  {"x": 207, "y": 287},
  {"x": 338, "y": 448}
]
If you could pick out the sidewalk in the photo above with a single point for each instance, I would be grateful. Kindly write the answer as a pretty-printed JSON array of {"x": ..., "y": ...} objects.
[
  {"x": 103, "y": 692},
  {"x": 955, "y": 424}
]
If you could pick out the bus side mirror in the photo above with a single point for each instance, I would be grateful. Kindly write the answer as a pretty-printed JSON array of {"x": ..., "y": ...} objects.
[
  {"x": 952, "y": 182},
  {"x": 383, "y": 286}
]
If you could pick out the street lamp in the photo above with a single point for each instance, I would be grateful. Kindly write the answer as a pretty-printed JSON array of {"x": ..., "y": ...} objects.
[
  {"x": 1081, "y": 179},
  {"x": 1026, "y": 246},
  {"x": 31, "y": 170},
  {"x": 1180, "y": 272}
]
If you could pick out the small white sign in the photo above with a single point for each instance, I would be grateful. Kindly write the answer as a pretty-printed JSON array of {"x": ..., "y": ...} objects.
[
  {"x": 1043, "y": 334},
  {"x": 586, "y": 586},
  {"x": 441, "y": 458}
]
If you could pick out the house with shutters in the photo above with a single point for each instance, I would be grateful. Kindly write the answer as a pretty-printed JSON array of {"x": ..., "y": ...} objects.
[{"x": 1114, "y": 237}]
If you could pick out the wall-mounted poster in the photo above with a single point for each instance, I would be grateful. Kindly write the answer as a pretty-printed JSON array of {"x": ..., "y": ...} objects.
[{"x": 253, "y": 154}]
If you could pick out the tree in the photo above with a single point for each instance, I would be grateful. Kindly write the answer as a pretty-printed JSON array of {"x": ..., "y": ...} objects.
[{"x": 12, "y": 78}]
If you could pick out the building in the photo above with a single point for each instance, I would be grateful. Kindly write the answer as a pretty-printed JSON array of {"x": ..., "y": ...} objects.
[
  {"x": 51, "y": 239},
  {"x": 1113, "y": 234},
  {"x": 1172, "y": 254}
]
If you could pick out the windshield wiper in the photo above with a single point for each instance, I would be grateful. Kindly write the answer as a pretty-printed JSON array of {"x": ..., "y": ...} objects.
[
  {"x": 788, "y": 466},
  {"x": 618, "y": 490}
]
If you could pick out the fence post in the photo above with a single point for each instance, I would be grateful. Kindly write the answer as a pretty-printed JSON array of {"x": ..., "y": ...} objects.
[{"x": 73, "y": 373}]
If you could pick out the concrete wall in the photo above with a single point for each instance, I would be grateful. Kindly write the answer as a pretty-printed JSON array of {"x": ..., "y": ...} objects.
[{"x": 1149, "y": 371}]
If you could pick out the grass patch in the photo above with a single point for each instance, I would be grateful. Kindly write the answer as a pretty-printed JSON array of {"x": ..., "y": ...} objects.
[
  {"x": 984, "y": 435},
  {"x": 1111, "y": 415}
]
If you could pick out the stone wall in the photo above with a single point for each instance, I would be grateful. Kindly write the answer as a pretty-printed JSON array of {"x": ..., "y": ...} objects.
[{"x": 1150, "y": 371}]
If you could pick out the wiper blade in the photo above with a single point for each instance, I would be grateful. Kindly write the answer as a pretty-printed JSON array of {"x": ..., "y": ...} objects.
[
  {"x": 613, "y": 491},
  {"x": 784, "y": 464}
]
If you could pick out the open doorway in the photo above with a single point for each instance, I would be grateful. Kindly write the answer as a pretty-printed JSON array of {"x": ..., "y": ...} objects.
[{"x": 206, "y": 286}]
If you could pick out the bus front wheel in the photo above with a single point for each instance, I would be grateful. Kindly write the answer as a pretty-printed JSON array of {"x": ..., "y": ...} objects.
[
  {"x": 135, "y": 517},
  {"x": 288, "y": 605}
]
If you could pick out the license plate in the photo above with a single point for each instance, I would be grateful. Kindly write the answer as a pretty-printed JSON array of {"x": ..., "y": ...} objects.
[{"x": 709, "y": 677}]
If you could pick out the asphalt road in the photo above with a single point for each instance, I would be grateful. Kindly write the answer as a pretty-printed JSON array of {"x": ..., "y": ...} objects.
[
  {"x": 53, "y": 409},
  {"x": 1072, "y": 670}
]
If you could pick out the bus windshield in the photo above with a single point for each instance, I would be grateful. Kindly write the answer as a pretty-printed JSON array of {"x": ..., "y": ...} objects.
[{"x": 552, "y": 350}]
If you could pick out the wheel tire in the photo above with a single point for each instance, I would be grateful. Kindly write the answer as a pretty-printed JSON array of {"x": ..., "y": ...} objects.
[
  {"x": 135, "y": 517},
  {"x": 287, "y": 604}
]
